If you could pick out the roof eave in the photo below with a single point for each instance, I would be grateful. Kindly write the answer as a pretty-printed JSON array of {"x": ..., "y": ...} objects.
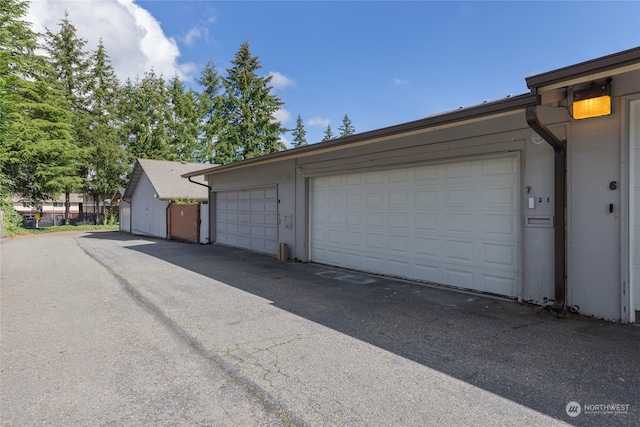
[
  {"x": 133, "y": 181},
  {"x": 604, "y": 64}
]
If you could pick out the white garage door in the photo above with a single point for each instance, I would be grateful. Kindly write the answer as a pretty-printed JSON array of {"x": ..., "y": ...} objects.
[
  {"x": 453, "y": 224},
  {"x": 248, "y": 219}
]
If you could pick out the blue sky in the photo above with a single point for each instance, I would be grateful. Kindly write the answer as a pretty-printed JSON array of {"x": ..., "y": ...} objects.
[{"x": 382, "y": 63}]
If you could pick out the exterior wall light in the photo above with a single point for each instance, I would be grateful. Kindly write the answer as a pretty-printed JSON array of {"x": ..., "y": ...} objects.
[{"x": 594, "y": 101}]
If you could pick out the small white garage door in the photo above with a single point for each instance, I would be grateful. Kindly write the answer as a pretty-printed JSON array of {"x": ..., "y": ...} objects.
[
  {"x": 248, "y": 219},
  {"x": 453, "y": 223}
]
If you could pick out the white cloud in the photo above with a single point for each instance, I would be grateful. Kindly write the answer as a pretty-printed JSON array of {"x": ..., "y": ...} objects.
[
  {"x": 194, "y": 34},
  {"x": 286, "y": 141},
  {"x": 283, "y": 116},
  {"x": 318, "y": 121},
  {"x": 400, "y": 81},
  {"x": 280, "y": 81},
  {"x": 132, "y": 37}
]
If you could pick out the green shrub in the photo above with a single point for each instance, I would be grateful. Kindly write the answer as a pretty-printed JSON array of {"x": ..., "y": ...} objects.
[
  {"x": 112, "y": 218},
  {"x": 186, "y": 201},
  {"x": 12, "y": 220}
]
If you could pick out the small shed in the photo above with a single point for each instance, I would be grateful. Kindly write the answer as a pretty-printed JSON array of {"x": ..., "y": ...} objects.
[{"x": 154, "y": 186}]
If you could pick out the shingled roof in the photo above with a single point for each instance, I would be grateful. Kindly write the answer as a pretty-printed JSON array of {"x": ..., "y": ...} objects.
[{"x": 166, "y": 178}]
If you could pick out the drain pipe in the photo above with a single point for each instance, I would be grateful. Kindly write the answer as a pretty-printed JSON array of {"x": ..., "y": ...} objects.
[
  {"x": 199, "y": 183},
  {"x": 210, "y": 205},
  {"x": 559, "y": 200}
]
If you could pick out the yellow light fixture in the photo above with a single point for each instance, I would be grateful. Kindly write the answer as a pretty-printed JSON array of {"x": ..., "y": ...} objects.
[{"x": 593, "y": 101}]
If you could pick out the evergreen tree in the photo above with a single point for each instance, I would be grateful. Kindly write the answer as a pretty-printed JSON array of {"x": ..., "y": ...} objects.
[
  {"x": 347, "y": 128},
  {"x": 328, "y": 135},
  {"x": 183, "y": 128},
  {"x": 38, "y": 154},
  {"x": 17, "y": 46},
  {"x": 145, "y": 109},
  {"x": 107, "y": 161},
  {"x": 210, "y": 103},
  {"x": 71, "y": 65},
  {"x": 250, "y": 128},
  {"x": 299, "y": 134}
]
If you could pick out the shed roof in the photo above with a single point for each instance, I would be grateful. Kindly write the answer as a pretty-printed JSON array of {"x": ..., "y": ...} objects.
[{"x": 166, "y": 178}]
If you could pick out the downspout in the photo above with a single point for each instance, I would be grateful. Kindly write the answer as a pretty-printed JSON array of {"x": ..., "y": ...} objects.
[
  {"x": 559, "y": 200},
  {"x": 210, "y": 206},
  {"x": 199, "y": 183},
  {"x": 167, "y": 216}
]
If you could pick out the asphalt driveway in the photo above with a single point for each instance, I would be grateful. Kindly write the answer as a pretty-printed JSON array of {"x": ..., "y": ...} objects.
[{"x": 113, "y": 329}]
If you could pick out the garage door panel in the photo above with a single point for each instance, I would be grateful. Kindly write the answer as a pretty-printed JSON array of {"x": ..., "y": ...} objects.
[
  {"x": 498, "y": 196},
  {"x": 454, "y": 224},
  {"x": 496, "y": 284},
  {"x": 375, "y": 198},
  {"x": 248, "y": 219},
  {"x": 496, "y": 255},
  {"x": 460, "y": 223},
  {"x": 426, "y": 197},
  {"x": 460, "y": 278},
  {"x": 374, "y": 219},
  {"x": 499, "y": 226},
  {"x": 496, "y": 167},
  {"x": 353, "y": 239},
  {"x": 397, "y": 267},
  {"x": 334, "y": 236},
  {"x": 459, "y": 251},
  {"x": 354, "y": 219},
  {"x": 428, "y": 272},
  {"x": 425, "y": 173},
  {"x": 399, "y": 244},
  {"x": 374, "y": 177},
  {"x": 427, "y": 246},
  {"x": 427, "y": 222},
  {"x": 399, "y": 221},
  {"x": 457, "y": 196}
]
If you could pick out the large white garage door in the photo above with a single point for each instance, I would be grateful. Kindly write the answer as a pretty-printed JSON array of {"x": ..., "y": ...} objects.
[
  {"x": 248, "y": 219},
  {"x": 453, "y": 223}
]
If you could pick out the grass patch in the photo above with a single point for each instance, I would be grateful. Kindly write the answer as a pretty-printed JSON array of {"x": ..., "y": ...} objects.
[{"x": 21, "y": 231}]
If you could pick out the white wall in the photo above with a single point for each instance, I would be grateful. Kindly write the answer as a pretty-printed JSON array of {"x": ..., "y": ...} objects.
[
  {"x": 125, "y": 216},
  {"x": 148, "y": 213}
]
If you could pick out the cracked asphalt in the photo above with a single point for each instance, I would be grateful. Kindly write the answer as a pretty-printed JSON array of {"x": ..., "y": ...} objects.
[{"x": 113, "y": 329}]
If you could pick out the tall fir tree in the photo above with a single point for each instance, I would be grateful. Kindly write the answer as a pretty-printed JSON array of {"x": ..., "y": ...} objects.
[
  {"x": 38, "y": 155},
  {"x": 145, "y": 108},
  {"x": 328, "y": 134},
  {"x": 210, "y": 101},
  {"x": 184, "y": 126},
  {"x": 299, "y": 133},
  {"x": 17, "y": 45},
  {"x": 250, "y": 128},
  {"x": 107, "y": 161},
  {"x": 71, "y": 66},
  {"x": 346, "y": 128}
]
